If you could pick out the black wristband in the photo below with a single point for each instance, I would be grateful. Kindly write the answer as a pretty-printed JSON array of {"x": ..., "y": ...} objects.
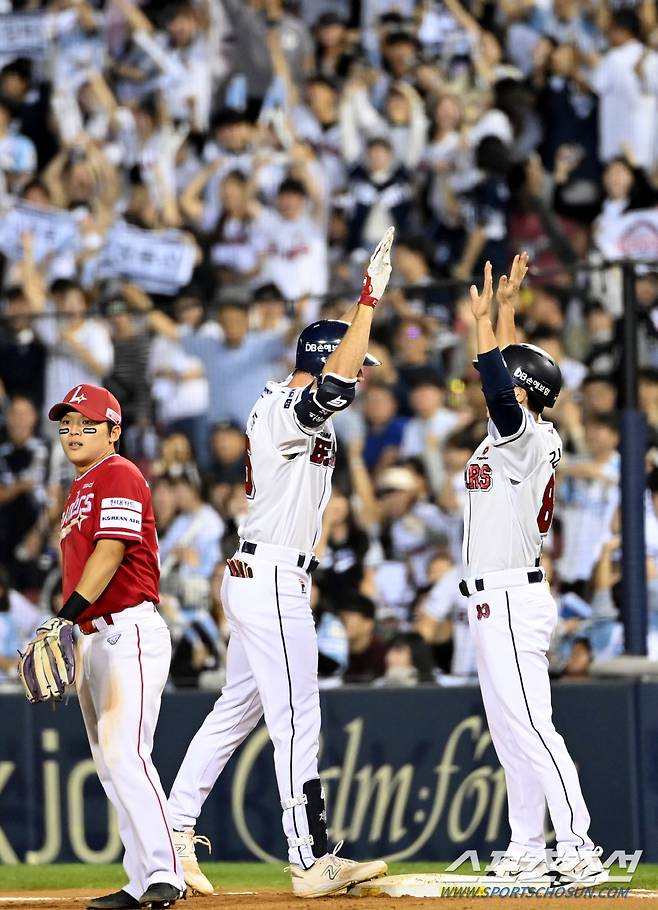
[{"x": 74, "y": 607}]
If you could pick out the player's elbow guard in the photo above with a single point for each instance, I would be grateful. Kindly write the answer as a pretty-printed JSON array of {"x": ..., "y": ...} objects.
[{"x": 334, "y": 393}]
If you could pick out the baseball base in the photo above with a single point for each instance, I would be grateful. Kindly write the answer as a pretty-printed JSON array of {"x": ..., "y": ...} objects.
[{"x": 439, "y": 885}]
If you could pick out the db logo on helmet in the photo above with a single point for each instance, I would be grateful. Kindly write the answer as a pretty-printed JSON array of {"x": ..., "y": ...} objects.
[{"x": 312, "y": 346}]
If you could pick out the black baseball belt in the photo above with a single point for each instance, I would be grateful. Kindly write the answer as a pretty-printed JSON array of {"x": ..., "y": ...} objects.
[
  {"x": 249, "y": 547},
  {"x": 506, "y": 579}
]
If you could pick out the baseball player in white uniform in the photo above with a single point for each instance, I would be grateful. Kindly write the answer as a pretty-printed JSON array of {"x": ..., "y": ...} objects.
[
  {"x": 510, "y": 482},
  {"x": 272, "y": 659}
]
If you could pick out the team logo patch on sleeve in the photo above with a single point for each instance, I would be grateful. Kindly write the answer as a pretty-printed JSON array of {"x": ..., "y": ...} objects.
[{"x": 120, "y": 514}]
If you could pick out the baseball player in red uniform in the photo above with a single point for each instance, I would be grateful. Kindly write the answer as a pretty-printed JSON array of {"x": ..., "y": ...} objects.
[{"x": 110, "y": 572}]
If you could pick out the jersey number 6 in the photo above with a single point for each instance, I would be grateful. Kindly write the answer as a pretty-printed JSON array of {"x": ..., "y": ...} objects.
[
  {"x": 248, "y": 471},
  {"x": 545, "y": 516}
]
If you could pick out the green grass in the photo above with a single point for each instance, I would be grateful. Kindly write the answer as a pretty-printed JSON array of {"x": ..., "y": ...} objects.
[{"x": 233, "y": 876}]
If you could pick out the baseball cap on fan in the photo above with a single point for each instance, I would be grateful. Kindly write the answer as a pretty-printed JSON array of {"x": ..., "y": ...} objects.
[{"x": 91, "y": 401}]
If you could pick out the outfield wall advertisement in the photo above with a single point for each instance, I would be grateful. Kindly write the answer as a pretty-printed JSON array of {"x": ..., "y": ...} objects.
[{"x": 410, "y": 774}]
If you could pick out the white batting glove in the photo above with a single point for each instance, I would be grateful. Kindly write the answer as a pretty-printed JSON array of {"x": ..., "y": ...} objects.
[{"x": 378, "y": 271}]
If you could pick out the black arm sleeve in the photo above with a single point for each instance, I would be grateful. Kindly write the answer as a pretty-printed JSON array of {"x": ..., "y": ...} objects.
[
  {"x": 334, "y": 393},
  {"x": 498, "y": 388}
]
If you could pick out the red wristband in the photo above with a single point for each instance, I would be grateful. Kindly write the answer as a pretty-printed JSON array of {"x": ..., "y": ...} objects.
[{"x": 366, "y": 298}]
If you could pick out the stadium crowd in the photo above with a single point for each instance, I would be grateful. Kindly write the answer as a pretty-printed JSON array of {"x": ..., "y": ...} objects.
[{"x": 183, "y": 187}]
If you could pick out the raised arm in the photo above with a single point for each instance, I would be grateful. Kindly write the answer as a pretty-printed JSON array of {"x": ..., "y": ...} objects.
[
  {"x": 348, "y": 357},
  {"x": 191, "y": 202},
  {"x": 504, "y": 410},
  {"x": 507, "y": 297}
]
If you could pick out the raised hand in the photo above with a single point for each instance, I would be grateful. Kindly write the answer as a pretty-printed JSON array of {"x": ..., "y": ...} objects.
[
  {"x": 508, "y": 288},
  {"x": 378, "y": 271},
  {"x": 481, "y": 303}
]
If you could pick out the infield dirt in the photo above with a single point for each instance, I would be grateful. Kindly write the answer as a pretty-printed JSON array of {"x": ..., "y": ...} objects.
[{"x": 272, "y": 900}]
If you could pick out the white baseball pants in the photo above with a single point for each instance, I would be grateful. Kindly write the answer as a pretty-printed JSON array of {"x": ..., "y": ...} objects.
[
  {"x": 271, "y": 669},
  {"x": 123, "y": 669},
  {"x": 512, "y": 629}
]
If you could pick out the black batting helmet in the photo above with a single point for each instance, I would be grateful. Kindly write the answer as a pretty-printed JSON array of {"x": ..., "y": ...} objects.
[
  {"x": 318, "y": 341},
  {"x": 534, "y": 370}
]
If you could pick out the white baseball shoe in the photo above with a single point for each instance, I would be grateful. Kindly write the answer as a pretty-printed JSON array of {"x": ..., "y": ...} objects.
[
  {"x": 579, "y": 867},
  {"x": 332, "y": 873},
  {"x": 525, "y": 868},
  {"x": 184, "y": 842}
]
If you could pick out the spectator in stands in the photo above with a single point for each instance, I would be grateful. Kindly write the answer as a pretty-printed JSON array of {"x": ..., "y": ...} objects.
[
  {"x": 268, "y": 310},
  {"x": 431, "y": 424},
  {"x": 190, "y": 546},
  {"x": 382, "y": 196},
  {"x": 237, "y": 362},
  {"x": 588, "y": 498},
  {"x": 648, "y": 395},
  {"x": 602, "y": 354},
  {"x": 627, "y": 115},
  {"x": 23, "y": 477},
  {"x": 18, "y": 621},
  {"x": 384, "y": 428},
  {"x": 486, "y": 226},
  {"x": 128, "y": 380},
  {"x": 409, "y": 523},
  {"x": 235, "y": 248},
  {"x": 413, "y": 273},
  {"x": 295, "y": 244},
  {"x": 22, "y": 353},
  {"x": 408, "y": 661},
  {"x": 625, "y": 189},
  {"x": 333, "y": 646},
  {"x": 227, "y": 443},
  {"x": 175, "y": 459},
  {"x": 347, "y": 556},
  {"x": 317, "y": 122},
  {"x": 413, "y": 355},
  {"x": 30, "y": 106},
  {"x": 18, "y": 157},
  {"x": 599, "y": 392},
  {"x": 79, "y": 346},
  {"x": 164, "y": 504},
  {"x": 367, "y": 651},
  {"x": 442, "y": 618},
  {"x": 333, "y": 54},
  {"x": 552, "y": 341}
]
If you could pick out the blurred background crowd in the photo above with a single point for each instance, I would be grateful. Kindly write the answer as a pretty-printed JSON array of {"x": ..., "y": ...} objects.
[{"x": 184, "y": 186}]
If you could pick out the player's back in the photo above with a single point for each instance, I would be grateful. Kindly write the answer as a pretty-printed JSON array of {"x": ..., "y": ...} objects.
[
  {"x": 288, "y": 472},
  {"x": 510, "y": 483}
]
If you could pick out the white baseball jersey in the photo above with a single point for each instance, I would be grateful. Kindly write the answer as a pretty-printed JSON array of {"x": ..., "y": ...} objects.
[
  {"x": 289, "y": 472},
  {"x": 510, "y": 483}
]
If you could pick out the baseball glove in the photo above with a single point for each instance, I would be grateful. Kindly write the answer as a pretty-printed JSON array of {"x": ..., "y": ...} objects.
[{"x": 48, "y": 665}]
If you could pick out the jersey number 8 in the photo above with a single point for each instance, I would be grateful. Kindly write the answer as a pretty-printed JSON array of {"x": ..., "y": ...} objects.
[{"x": 545, "y": 517}]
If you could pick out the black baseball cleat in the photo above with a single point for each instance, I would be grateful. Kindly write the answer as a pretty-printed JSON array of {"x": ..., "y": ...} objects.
[
  {"x": 160, "y": 895},
  {"x": 118, "y": 900}
]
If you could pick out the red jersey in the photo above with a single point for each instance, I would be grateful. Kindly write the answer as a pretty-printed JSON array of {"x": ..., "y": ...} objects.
[{"x": 111, "y": 499}]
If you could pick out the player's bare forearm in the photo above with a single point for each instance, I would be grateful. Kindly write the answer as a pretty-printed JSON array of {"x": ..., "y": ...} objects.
[
  {"x": 351, "y": 313},
  {"x": 348, "y": 357},
  {"x": 505, "y": 326},
  {"x": 100, "y": 568}
]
